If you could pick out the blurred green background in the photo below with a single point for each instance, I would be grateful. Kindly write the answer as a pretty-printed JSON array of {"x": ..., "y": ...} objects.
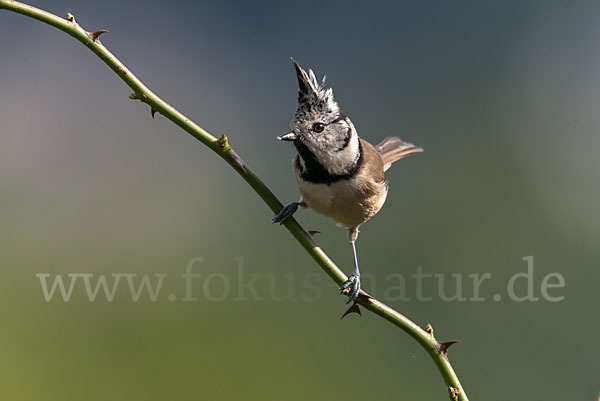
[{"x": 504, "y": 98}]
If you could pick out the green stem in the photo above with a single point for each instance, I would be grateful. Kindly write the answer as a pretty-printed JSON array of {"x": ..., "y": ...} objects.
[{"x": 221, "y": 146}]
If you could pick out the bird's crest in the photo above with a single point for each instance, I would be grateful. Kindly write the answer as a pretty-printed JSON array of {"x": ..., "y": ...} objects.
[{"x": 313, "y": 95}]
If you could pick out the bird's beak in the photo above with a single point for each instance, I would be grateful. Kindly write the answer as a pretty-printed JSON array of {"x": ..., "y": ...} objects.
[{"x": 290, "y": 136}]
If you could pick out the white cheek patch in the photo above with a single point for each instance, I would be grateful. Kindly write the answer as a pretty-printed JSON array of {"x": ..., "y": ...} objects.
[{"x": 340, "y": 161}]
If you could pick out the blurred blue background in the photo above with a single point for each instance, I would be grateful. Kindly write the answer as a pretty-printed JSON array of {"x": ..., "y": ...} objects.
[{"x": 503, "y": 97}]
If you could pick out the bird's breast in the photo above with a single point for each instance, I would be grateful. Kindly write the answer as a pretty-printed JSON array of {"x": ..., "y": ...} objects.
[{"x": 350, "y": 202}]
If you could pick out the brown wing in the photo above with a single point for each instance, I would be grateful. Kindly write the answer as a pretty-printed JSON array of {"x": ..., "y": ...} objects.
[
  {"x": 372, "y": 161},
  {"x": 393, "y": 148}
]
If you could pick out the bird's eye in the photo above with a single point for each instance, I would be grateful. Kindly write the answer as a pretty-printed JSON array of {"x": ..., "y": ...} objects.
[{"x": 318, "y": 127}]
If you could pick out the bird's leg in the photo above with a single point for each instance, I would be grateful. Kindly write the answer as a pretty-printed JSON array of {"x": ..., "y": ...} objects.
[
  {"x": 287, "y": 212},
  {"x": 353, "y": 282}
]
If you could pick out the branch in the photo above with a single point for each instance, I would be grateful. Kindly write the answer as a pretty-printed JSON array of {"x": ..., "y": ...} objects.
[{"x": 437, "y": 350}]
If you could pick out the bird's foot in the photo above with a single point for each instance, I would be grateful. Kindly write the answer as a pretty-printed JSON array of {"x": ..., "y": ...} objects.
[
  {"x": 351, "y": 287},
  {"x": 285, "y": 213}
]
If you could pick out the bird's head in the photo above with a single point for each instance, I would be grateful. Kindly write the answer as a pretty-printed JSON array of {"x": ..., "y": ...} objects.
[{"x": 318, "y": 122}]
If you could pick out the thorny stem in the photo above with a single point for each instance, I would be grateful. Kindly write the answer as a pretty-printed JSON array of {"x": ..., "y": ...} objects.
[{"x": 220, "y": 146}]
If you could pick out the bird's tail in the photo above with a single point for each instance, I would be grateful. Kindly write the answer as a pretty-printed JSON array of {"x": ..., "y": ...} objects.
[{"x": 393, "y": 148}]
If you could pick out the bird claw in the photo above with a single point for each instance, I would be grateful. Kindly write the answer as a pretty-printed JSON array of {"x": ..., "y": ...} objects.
[
  {"x": 285, "y": 213},
  {"x": 351, "y": 287}
]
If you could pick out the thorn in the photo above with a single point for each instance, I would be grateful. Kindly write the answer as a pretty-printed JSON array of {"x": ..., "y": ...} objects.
[
  {"x": 152, "y": 111},
  {"x": 443, "y": 346},
  {"x": 312, "y": 233},
  {"x": 352, "y": 309},
  {"x": 454, "y": 392},
  {"x": 94, "y": 35},
  {"x": 70, "y": 17}
]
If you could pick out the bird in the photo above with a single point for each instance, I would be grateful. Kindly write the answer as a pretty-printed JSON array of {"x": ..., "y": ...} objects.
[{"x": 339, "y": 174}]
